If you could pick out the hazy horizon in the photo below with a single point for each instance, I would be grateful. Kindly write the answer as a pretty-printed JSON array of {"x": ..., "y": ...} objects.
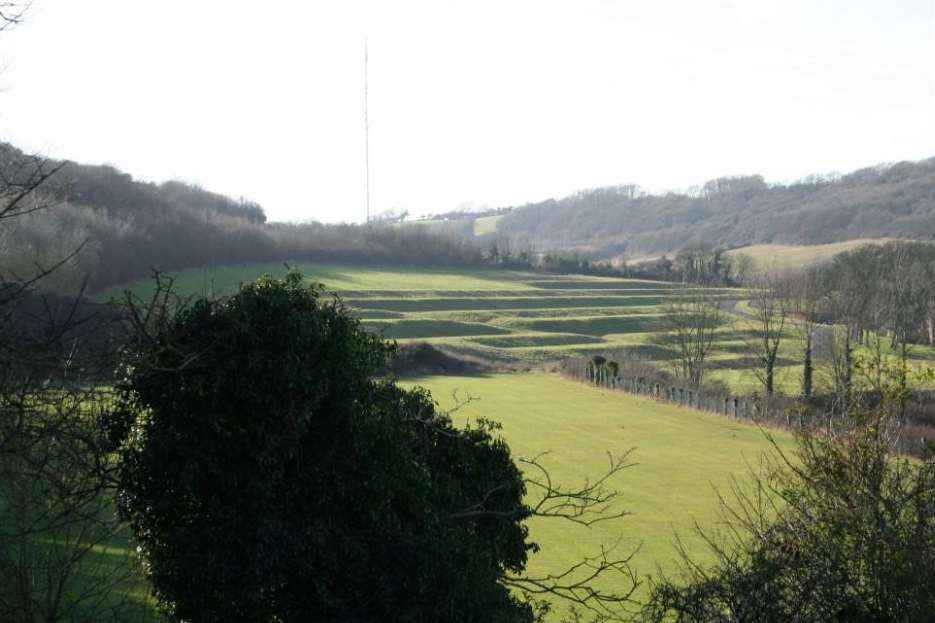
[{"x": 470, "y": 103}]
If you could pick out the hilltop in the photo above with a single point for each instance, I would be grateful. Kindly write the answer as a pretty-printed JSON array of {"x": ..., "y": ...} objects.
[
  {"x": 887, "y": 201},
  {"x": 125, "y": 228}
]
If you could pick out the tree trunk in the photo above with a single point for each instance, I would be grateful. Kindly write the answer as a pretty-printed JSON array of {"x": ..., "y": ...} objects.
[
  {"x": 807, "y": 370},
  {"x": 770, "y": 366},
  {"x": 847, "y": 372}
]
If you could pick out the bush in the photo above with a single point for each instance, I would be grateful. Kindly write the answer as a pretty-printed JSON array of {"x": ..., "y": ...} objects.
[
  {"x": 269, "y": 476},
  {"x": 844, "y": 532}
]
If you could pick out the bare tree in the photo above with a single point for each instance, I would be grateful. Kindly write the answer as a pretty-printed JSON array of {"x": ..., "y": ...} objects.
[
  {"x": 57, "y": 521},
  {"x": 841, "y": 530},
  {"x": 56, "y": 515},
  {"x": 769, "y": 310},
  {"x": 741, "y": 268},
  {"x": 602, "y": 584},
  {"x": 11, "y": 13},
  {"x": 803, "y": 292},
  {"x": 846, "y": 301},
  {"x": 689, "y": 322}
]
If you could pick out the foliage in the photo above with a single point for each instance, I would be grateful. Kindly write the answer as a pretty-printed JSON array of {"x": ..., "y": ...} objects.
[
  {"x": 55, "y": 515},
  {"x": 130, "y": 227},
  {"x": 893, "y": 201},
  {"x": 268, "y": 475},
  {"x": 881, "y": 288},
  {"x": 54, "y": 512},
  {"x": 842, "y": 531}
]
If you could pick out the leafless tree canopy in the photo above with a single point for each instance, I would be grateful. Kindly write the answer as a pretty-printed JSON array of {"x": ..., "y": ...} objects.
[
  {"x": 875, "y": 202},
  {"x": 11, "y": 13},
  {"x": 688, "y": 324},
  {"x": 769, "y": 310}
]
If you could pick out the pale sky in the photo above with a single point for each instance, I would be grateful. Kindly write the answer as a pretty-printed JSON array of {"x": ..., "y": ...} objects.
[{"x": 498, "y": 103}]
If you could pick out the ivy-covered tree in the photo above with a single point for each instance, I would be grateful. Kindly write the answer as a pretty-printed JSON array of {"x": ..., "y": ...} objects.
[{"x": 269, "y": 474}]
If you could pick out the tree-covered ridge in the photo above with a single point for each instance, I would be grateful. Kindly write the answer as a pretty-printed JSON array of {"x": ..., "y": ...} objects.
[
  {"x": 116, "y": 193},
  {"x": 125, "y": 228},
  {"x": 896, "y": 201}
]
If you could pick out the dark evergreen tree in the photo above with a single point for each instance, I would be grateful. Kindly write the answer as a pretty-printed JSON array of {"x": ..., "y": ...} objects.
[{"x": 269, "y": 474}]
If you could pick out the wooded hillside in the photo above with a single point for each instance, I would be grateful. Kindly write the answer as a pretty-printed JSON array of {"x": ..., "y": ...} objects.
[
  {"x": 122, "y": 229},
  {"x": 895, "y": 201}
]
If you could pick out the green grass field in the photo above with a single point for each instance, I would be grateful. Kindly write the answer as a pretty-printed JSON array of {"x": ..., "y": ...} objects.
[
  {"x": 486, "y": 224},
  {"x": 782, "y": 256},
  {"x": 517, "y": 318},
  {"x": 507, "y": 316},
  {"x": 680, "y": 457}
]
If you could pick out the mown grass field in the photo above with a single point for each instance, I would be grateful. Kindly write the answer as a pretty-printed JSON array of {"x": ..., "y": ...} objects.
[
  {"x": 680, "y": 457},
  {"x": 784, "y": 256},
  {"x": 486, "y": 224},
  {"x": 520, "y": 319}
]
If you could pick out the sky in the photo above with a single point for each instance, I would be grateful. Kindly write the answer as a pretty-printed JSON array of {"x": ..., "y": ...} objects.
[{"x": 473, "y": 103}]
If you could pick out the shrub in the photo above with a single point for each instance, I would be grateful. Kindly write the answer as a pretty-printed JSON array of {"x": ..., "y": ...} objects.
[{"x": 269, "y": 476}]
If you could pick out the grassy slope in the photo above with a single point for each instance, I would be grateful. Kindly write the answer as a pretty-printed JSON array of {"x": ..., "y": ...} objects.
[
  {"x": 338, "y": 277},
  {"x": 783, "y": 256},
  {"x": 681, "y": 455},
  {"x": 511, "y": 316},
  {"x": 486, "y": 224}
]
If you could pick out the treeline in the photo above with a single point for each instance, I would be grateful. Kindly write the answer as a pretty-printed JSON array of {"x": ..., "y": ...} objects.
[
  {"x": 895, "y": 201},
  {"x": 875, "y": 290},
  {"x": 126, "y": 228},
  {"x": 698, "y": 263},
  {"x": 465, "y": 214},
  {"x": 701, "y": 264}
]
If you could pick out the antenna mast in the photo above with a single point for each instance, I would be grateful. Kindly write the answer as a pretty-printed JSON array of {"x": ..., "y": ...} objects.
[{"x": 367, "y": 129}]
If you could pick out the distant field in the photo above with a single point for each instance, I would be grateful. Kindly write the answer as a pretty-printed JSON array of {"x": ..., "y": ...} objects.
[
  {"x": 482, "y": 225},
  {"x": 517, "y": 318},
  {"x": 527, "y": 319},
  {"x": 486, "y": 224},
  {"x": 680, "y": 457},
  {"x": 509, "y": 316},
  {"x": 782, "y": 256},
  {"x": 338, "y": 277}
]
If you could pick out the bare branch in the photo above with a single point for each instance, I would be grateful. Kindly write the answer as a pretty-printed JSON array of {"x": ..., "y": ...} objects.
[{"x": 578, "y": 584}]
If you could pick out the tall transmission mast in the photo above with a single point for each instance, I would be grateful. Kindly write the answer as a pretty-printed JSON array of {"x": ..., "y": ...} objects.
[{"x": 367, "y": 128}]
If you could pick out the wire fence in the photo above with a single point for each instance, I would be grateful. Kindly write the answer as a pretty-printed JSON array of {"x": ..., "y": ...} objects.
[
  {"x": 747, "y": 407},
  {"x": 779, "y": 411}
]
